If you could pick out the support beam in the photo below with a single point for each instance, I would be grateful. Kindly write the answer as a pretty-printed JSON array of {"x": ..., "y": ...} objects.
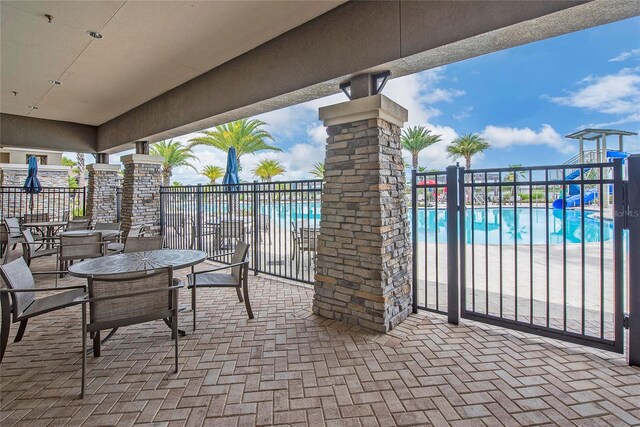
[
  {"x": 28, "y": 132},
  {"x": 313, "y": 59},
  {"x": 633, "y": 290}
]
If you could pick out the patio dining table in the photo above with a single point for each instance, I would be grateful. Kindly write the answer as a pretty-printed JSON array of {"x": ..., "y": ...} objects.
[{"x": 134, "y": 262}]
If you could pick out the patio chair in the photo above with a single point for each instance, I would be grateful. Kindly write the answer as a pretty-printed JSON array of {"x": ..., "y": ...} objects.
[
  {"x": 142, "y": 244},
  {"x": 134, "y": 231},
  {"x": 4, "y": 239},
  {"x": 78, "y": 224},
  {"x": 74, "y": 248},
  {"x": 115, "y": 226},
  {"x": 14, "y": 235},
  {"x": 305, "y": 239},
  {"x": 237, "y": 278},
  {"x": 263, "y": 227},
  {"x": 19, "y": 303},
  {"x": 127, "y": 299},
  {"x": 230, "y": 231},
  {"x": 36, "y": 217},
  {"x": 32, "y": 249}
]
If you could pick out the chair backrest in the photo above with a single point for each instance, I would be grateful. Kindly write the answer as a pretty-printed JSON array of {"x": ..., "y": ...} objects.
[
  {"x": 136, "y": 231},
  {"x": 107, "y": 226},
  {"x": 30, "y": 241},
  {"x": 78, "y": 224},
  {"x": 13, "y": 225},
  {"x": 16, "y": 275},
  {"x": 141, "y": 244},
  {"x": 240, "y": 254},
  {"x": 308, "y": 238},
  {"x": 81, "y": 218},
  {"x": 4, "y": 234},
  {"x": 124, "y": 311},
  {"x": 81, "y": 246},
  {"x": 36, "y": 217},
  {"x": 232, "y": 228}
]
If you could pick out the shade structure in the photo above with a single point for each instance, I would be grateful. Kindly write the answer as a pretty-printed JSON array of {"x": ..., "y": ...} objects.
[{"x": 32, "y": 184}]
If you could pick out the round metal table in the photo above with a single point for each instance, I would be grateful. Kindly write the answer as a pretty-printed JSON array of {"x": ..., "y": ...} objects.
[{"x": 137, "y": 261}]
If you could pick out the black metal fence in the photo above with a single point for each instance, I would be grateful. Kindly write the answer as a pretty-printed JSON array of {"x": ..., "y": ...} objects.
[
  {"x": 51, "y": 204},
  {"x": 281, "y": 221},
  {"x": 538, "y": 249}
]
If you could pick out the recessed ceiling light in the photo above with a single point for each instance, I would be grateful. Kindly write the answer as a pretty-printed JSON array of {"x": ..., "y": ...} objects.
[
  {"x": 33, "y": 107},
  {"x": 94, "y": 34},
  {"x": 55, "y": 82}
]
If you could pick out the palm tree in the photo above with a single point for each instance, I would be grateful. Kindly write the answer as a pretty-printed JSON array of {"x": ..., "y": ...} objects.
[
  {"x": 267, "y": 169},
  {"x": 415, "y": 139},
  {"x": 214, "y": 173},
  {"x": 247, "y": 136},
  {"x": 467, "y": 146},
  {"x": 175, "y": 154},
  {"x": 80, "y": 164},
  {"x": 318, "y": 170}
]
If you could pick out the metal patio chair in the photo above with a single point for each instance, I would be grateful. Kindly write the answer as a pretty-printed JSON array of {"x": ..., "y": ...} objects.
[
  {"x": 4, "y": 239},
  {"x": 76, "y": 248},
  {"x": 305, "y": 239},
  {"x": 19, "y": 303},
  {"x": 142, "y": 244},
  {"x": 32, "y": 248},
  {"x": 14, "y": 235},
  {"x": 115, "y": 226},
  {"x": 118, "y": 246},
  {"x": 237, "y": 278},
  {"x": 129, "y": 299},
  {"x": 78, "y": 224}
]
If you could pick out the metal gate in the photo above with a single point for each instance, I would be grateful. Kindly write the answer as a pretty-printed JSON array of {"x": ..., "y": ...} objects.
[{"x": 489, "y": 246}]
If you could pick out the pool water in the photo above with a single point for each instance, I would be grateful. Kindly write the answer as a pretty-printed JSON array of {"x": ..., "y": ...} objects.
[{"x": 520, "y": 225}]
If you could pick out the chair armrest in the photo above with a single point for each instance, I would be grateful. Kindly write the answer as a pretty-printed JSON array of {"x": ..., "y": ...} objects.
[
  {"x": 219, "y": 268},
  {"x": 212, "y": 257},
  {"x": 48, "y": 272},
  {"x": 61, "y": 288},
  {"x": 85, "y": 300}
]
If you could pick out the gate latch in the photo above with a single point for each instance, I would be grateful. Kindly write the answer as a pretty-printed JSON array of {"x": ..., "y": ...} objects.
[{"x": 625, "y": 320}]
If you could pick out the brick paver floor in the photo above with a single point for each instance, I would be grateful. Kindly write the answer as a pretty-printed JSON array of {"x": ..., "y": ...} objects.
[{"x": 290, "y": 367}]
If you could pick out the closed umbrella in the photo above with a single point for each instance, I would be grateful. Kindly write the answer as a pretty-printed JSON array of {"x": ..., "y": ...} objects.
[
  {"x": 231, "y": 181},
  {"x": 32, "y": 184}
]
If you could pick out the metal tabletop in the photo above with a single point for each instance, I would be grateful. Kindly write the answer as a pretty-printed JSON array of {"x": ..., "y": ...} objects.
[{"x": 137, "y": 261}]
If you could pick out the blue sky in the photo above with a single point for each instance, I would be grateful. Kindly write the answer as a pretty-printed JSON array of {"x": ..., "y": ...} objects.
[{"x": 522, "y": 100}]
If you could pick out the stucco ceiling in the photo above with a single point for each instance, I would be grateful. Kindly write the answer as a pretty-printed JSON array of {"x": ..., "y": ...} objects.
[{"x": 146, "y": 50}]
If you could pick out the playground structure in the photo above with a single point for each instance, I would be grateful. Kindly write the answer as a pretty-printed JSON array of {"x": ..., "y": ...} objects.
[{"x": 601, "y": 154}]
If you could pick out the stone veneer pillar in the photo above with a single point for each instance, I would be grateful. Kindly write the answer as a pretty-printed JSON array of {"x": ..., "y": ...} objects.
[
  {"x": 141, "y": 192},
  {"x": 363, "y": 258},
  {"x": 103, "y": 184}
]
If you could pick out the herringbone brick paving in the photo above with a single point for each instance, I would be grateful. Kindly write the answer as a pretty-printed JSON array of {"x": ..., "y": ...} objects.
[{"x": 290, "y": 367}]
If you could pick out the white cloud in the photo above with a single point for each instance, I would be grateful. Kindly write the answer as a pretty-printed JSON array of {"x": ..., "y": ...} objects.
[
  {"x": 609, "y": 94},
  {"x": 623, "y": 56},
  {"x": 506, "y": 137},
  {"x": 463, "y": 114}
]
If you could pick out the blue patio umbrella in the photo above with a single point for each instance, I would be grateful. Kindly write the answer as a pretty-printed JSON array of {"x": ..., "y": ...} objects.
[
  {"x": 231, "y": 175},
  {"x": 32, "y": 184}
]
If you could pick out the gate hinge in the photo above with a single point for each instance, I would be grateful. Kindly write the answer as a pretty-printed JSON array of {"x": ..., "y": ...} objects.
[{"x": 625, "y": 320}]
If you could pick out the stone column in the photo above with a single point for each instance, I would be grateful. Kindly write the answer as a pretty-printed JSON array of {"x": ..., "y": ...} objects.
[
  {"x": 141, "y": 192},
  {"x": 363, "y": 261},
  {"x": 104, "y": 181}
]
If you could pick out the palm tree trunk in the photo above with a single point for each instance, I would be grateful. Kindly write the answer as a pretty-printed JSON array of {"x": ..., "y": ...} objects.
[
  {"x": 468, "y": 162},
  {"x": 414, "y": 158},
  {"x": 81, "y": 170},
  {"x": 166, "y": 177}
]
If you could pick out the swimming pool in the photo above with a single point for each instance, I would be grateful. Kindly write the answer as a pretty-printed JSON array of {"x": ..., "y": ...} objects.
[{"x": 521, "y": 225}]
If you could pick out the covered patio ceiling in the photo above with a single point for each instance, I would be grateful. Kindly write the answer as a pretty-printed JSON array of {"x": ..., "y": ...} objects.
[{"x": 163, "y": 69}]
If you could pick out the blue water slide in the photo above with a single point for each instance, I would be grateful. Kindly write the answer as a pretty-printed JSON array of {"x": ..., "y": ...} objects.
[{"x": 575, "y": 197}]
